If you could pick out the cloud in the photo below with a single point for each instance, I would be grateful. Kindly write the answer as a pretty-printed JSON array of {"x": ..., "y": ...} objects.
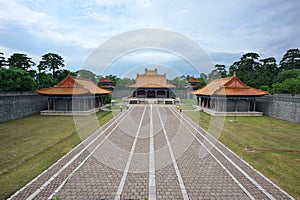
[{"x": 75, "y": 28}]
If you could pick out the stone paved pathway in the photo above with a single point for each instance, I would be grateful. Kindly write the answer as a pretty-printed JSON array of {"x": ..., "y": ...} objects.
[{"x": 151, "y": 152}]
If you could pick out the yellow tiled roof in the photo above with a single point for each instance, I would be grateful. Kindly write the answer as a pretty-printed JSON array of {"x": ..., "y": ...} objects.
[{"x": 151, "y": 79}]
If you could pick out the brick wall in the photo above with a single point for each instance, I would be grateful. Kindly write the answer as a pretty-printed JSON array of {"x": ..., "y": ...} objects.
[
  {"x": 16, "y": 105},
  {"x": 282, "y": 106}
]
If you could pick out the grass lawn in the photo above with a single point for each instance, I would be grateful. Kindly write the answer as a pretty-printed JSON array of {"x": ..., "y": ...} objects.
[
  {"x": 31, "y": 144},
  {"x": 187, "y": 104},
  {"x": 270, "y": 145}
]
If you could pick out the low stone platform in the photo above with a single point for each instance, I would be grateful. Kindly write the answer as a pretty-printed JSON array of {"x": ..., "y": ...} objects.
[
  {"x": 69, "y": 113},
  {"x": 229, "y": 114},
  {"x": 152, "y": 101}
]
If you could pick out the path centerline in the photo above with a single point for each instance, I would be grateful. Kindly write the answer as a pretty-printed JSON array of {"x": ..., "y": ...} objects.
[{"x": 152, "y": 187}]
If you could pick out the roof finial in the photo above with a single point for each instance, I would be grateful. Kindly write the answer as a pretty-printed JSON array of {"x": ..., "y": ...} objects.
[{"x": 234, "y": 74}]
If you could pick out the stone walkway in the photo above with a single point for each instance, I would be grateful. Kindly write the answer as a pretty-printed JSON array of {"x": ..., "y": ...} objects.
[{"x": 151, "y": 152}]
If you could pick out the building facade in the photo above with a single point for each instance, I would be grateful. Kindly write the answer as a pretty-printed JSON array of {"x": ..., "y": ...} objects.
[
  {"x": 152, "y": 85},
  {"x": 228, "y": 95},
  {"x": 74, "y": 95},
  {"x": 107, "y": 84}
]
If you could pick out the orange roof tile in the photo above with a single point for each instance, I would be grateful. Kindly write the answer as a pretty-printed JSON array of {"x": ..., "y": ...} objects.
[
  {"x": 193, "y": 80},
  {"x": 106, "y": 80},
  {"x": 229, "y": 86},
  {"x": 151, "y": 79},
  {"x": 73, "y": 86}
]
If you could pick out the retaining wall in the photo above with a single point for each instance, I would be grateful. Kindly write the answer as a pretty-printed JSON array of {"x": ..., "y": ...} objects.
[
  {"x": 282, "y": 106},
  {"x": 16, "y": 105}
]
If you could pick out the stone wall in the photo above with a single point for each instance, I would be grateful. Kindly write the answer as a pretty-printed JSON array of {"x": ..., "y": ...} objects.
[
  {"x": 282, "y": 106},
  {"x": 16, "y": 105}
]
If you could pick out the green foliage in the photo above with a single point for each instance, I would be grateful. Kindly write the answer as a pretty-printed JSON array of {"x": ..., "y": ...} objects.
[
  {"x": 83, "y": 73},
  {"x": 16, "y": 79},
  {"x": 61, "y": 74},
  {"x": 108, "y": 98},
  {"x": 122, "y": 83},
  {"x": 288, "y": 86},
  {"x": 19, "y": 60},
  {"x": 246, "y": 68},
  {"x": 221, "y": 69},
  {"x": 201, "y": 83},
  {"x": 44, "y": 80},
  {"x": 114, "y": 79},
  {"x": 266, "y": 72},
  {"x": 287, "y": 74},
  {"x": 214, "y": 74},
  {"x": 3, "y": 62},
  {"x": 265, "y": 88},
  {"x": 51, "y": 62},
  {"x": 290, "y": 60},
  {"x": 179, "y": 82}
]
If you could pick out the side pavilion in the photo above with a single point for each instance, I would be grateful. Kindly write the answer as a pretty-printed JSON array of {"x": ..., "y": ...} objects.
[
  {"x": 228, "y": 97},
  {"x": 74, "y": 96}
]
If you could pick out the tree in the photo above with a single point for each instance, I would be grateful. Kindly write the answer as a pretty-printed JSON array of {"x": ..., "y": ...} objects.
[
  {"x": 114, "y": 79},
  {"x": 221, "y": 69},
  {"x": 201, "y": 83},
  {"x": 288, "y": 86},
  {"x": 3, "y": 62},
  {"x": 290, "y": 60},
  {"x": 52, "y": 62},
  {"x": 122, "y": 83},
  {"x": 44, "y": 80},
  {"x": 265, "y": 73},
  {"x": 16, "y": 79},
  {"x": 245, "y": 68},
  {"x": 233, "y": 68},
  {"x": 203, "y": 76},
  {"x": 83, "y": 73},
  {"x": 214, "y": 74},
  {"x": 61, "y": 74},
  {"x": 287, "y": 74},
  {"x": 179, "y": 82},
  {"x": 19, "y": 60}
]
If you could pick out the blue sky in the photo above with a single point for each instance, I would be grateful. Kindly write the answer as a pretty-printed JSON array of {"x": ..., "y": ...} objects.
[{"x": 74, "y": 29}]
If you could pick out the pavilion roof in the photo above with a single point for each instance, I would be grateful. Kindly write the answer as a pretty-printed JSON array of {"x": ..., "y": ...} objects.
[
  {"x": 229, "y": 86},
  {"x": 73, "y": 86},
  {"x": 193, "y": 80},
  {"x": 106, "y": 80},
  {"x": 151, "y": 79}
]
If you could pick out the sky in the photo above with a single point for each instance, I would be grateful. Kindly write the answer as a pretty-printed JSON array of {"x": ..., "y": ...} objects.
[{"x": 124, "y": 37}]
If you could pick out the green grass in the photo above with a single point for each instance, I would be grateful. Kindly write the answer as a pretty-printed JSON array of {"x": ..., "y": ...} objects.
[
  {"x": 31, "y": 144},
  {"x": 187, "y": 104},
  {"x": 276, "y": 145}
]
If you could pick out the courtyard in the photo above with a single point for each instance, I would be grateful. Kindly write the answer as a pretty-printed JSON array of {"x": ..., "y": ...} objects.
[{"x": 151, "y": 152}]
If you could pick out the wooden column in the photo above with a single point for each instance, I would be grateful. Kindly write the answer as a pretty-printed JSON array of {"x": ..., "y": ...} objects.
[
  {"x": 254, "y": 105},
  {"x": 66, "y": 104},
  {"x": 49, "y": 103},
  {"x": 249, "y": 105},
  {"x": 54, "y": 104}
]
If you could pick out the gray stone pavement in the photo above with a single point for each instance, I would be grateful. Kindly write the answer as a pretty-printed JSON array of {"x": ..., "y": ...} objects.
[{"x": 118, "y": 164}]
